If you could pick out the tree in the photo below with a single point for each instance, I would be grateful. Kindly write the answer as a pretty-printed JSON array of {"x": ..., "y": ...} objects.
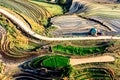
[{"x": 61, "y": 1}]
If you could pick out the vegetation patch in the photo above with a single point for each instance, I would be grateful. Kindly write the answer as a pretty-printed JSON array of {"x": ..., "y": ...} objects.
[
  {"x": 2, "y": 69},
  {"x": 82, "y": 51},
  {"x": 59, "y": 72},
  {"x": 54, "y": 9},
  {"x": 56, "y": 62},
  {"x": 46, "y": 67},
  {"x": 95, "y": 74},
  {"x": 14, "y": 43}
]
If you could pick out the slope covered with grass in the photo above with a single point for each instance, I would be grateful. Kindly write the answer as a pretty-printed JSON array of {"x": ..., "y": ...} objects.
[
  {"x": 53, "y": 8},
  {"x": 14, "y": 43},
  {"x": 103, "y": 10}
]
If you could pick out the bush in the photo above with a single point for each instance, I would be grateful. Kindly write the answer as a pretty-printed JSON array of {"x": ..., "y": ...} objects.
[
  {"x": 44, "y": 22},
  {"x": 63, "y": 1}
]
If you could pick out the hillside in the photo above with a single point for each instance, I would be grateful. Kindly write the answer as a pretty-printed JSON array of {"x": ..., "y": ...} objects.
[{"x": 59, "y": 40}]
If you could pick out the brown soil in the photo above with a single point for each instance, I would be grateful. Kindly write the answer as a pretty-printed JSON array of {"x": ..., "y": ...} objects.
[{"x": 92, "y": 60}]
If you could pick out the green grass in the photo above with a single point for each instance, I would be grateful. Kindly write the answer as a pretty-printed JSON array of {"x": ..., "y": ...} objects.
[
  {"x": 56, "y": 62},
  {"x": 37, "y": 61},
  {"x": 53, "y": 8},
  {"x": 78, "y": 50},
  {"x": 51, "y": 28}
]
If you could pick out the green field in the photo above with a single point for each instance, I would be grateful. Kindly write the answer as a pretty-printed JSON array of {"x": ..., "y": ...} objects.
[
  {"x": 78, "y": 50},
  {"x": 57, "y": 66},
  {"x": 56, "y": 62}
]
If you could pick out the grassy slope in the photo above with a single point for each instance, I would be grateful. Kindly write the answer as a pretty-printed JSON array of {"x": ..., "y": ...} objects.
[
  {"x": 15, "y": 36},
  {"x": 56, "y": 61},
  {"x": 35, "y": 26},
  {"x": 53, "y": 8},
  {"x": 114, "y": 66},
  {"x": 78, "y": 50},
  {"x": 13, "y": 13},
  {"x": 96, "y": 9},
  {"x": 102, "y": 10}
]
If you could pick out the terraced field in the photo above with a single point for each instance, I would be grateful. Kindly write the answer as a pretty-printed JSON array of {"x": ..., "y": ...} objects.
[
  {"x": 105, "y": 17},
  {"x": 31, "y": 10},
  {"x": 24, "y": 35},
  {"x": 79, "y": 50},
  {"x": 40, "y": 68},
  {"x": 56, "y": 66},
  {"x": 106, "y": 11},
  {"x": 2, "y": 31},
  {"x": 33, "y": 13},
  {"x": 13, "y": 42},
  {"x": 53, "y": 62},
  {"x": 18, "y": 42},
  {"x": 2, "y": 69},
  {"x": 52, "y": 8},
  {"x": 95, "y": 74},
  {"x": 72, "y": 25}
]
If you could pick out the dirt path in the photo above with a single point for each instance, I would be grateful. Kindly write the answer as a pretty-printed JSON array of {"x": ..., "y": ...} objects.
[
  {"x": 92, "y": 60},
  {"x": 2, "y": 31},
  {"x": 32, "y": 33}
]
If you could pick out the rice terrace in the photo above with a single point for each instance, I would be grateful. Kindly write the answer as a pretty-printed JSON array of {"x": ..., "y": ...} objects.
[{"x": 59, "y": 39}]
